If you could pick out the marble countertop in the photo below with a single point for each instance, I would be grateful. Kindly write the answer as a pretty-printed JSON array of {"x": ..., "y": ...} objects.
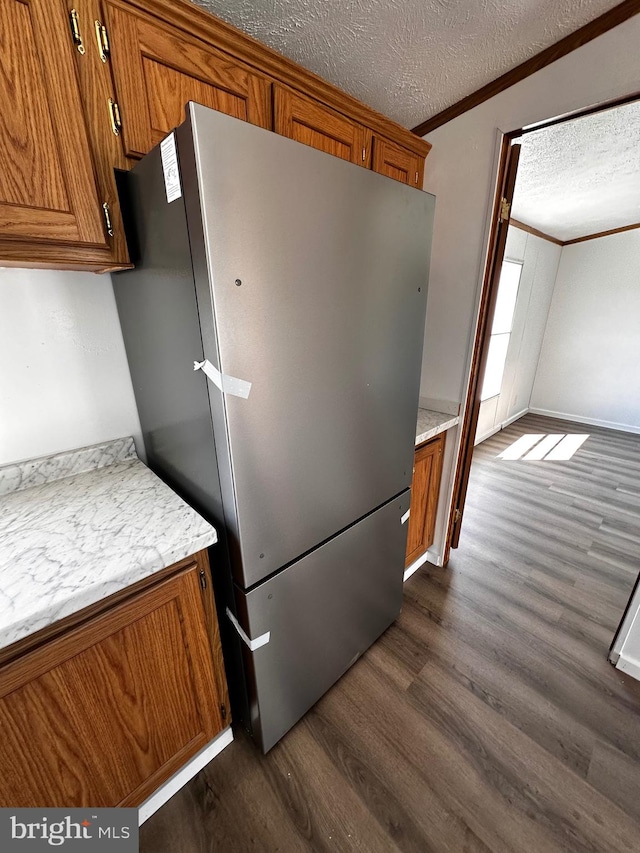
[
  {"x": 79, "y": 526},
  {"x": 432, "y": 423}
]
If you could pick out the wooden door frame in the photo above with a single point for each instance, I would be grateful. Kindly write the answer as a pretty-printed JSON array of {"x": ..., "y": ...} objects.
[
  {"x": 486, "y": 308},
  {"x": 487, "y": 302}
]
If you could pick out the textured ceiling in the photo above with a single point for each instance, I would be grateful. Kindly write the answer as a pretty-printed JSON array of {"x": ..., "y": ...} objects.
[
  {"x": 408, "y": 59},
  {"x": 583, "y": 176}
]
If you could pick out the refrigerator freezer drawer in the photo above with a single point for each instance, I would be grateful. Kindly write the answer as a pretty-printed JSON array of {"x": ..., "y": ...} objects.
[{"x": 321, "y": 613}]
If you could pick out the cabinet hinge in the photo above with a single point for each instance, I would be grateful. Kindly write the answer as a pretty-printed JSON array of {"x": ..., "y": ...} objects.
[
  {"x": 107, "y": 218},
  {"x": 223, "y": 711},
  {"x": 457, "y": 515},
  {"x": 103, "y": 40},
  {"x": 114, "y": 115},
  {"x": 364, "y": 154},
  {"x": 505, "y": 210},
  {"x": 74, "y": 23},
  {"x": 203, "y": 579},
  {"x": 416, "y": 177}
]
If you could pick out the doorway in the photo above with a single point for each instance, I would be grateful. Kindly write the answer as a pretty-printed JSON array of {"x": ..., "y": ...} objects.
[{"x": 573, "y": 214}]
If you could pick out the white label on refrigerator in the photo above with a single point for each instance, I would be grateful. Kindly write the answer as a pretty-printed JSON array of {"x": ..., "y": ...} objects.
[
  {"x": 228, "y": 384},
  {"x": 170, "y": 167},
  {"x": 260, "y": 641}
]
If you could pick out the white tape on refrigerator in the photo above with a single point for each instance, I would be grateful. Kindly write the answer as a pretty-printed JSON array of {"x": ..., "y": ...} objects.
[
  {"x": 262, "y": 640},
  {"x": 227, "y": 384}
]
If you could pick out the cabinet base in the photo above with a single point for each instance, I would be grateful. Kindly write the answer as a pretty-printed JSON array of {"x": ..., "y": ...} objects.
[{"x": 180, "y": 779}]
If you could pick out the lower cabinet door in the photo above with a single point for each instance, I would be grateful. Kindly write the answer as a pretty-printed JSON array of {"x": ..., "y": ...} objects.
[
  {"x": 105, "y": 714},
  {"x": 320, "y": 614},
  {"x": 425, "y": 490}
]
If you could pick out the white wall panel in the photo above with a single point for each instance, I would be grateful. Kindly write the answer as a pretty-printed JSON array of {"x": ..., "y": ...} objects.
[
  {"x": 590, "y": 360},
  {"x": 540, "y": 259},
  {"x": 64, "y": 378}
]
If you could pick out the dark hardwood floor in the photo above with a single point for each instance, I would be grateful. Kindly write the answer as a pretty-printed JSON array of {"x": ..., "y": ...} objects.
[{"x": 487, "y": 718}]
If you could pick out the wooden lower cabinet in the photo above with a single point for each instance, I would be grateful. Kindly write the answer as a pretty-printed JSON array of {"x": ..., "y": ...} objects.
[
  {"x": 103, "y": 714},
  {"x": 425, "y": 489}
]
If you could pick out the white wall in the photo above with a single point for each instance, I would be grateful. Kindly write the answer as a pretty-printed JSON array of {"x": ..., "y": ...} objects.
[
  {"x": 540, "y": 259},
  {"x": 64, "y": 378},
  {"x": 461, "y": 171},
  {"x": 589, "y": 367}
]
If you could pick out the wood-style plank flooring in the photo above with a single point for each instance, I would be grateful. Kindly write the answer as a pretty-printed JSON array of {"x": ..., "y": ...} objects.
[{"x": 487, "y": 718}]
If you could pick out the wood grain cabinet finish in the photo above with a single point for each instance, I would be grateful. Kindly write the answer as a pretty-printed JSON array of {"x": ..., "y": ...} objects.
[
  {"x": 397, "y": 162},
  {"x": 425, "y": 489},
  {"x": 105, "y": 713},
  {"x": 77, "y": 106},
  {"x": 313, "y": 124},
  {"x": 48, "y": 191},
  {"x": 157, "y": 71},
  {"x": 98, "y": 93}
]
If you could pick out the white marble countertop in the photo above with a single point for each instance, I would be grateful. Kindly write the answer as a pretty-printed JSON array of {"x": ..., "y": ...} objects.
[
  {"x": 79, "y": 526},
  {"x": 432, "y": 423}
]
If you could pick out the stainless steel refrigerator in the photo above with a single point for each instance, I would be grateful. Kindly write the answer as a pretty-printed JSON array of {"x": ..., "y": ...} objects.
[{"x": 274, "y": 326}]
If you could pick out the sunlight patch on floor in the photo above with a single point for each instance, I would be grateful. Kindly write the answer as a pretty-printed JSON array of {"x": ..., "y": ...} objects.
[{"x": 538, "y": 446}]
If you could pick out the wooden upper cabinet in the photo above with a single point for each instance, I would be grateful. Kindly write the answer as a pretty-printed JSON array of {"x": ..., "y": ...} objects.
[
  {"x": 76, "y": 106},
  {"x": 48, "y": 189},
  {"x": 314, "y": 124},
  {"x": 105, "y": 713},
  {"x": 397, "y": 162},
  {"x": 158, "y": 69}
]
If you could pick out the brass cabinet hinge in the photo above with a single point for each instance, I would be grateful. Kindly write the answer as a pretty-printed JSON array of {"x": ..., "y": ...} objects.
[
  {"x": 364, "y": 154},
  {"x": 74, "y": 23},
  {"x": 505, "y": 210},
  {"x": 107, "y": 218},
  {"x": 103, "y": 40},
  {"x": 203, "y": 579},
  {"x": 114, "y": 115},
  {"x": 416, "y": 177}
]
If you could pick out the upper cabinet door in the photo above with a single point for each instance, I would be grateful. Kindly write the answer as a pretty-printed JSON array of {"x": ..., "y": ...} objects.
[
  {"x": 158, "y": 69},
  {"x": 315, "y": 125},
  {"x": 48, "y": 189},
  {"x": 396, "y": 162}
]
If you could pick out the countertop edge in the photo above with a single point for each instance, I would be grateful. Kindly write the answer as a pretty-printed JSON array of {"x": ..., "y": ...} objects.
[
  {"x": 103, "y": 589},
  {"x": 447, "y": 424}
]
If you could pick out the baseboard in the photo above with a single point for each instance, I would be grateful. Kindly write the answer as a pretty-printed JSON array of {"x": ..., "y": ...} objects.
[
  {"x": 434, "y": 557},
  {"x": 486, "y": 435},
  {"x": 410, "y": 570},
  {"x": 502, "y": 425},
  {"x": 628, "y": 665},
  {"x": 580, "y": 419},
  {"x": 515, "y": 417},
  {"x": 180, "y": 779}
]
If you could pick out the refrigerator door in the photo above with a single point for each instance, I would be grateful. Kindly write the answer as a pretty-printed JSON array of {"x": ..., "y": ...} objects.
[
  {"x": 321, "y": 614},
  {"x": 312, "y": 286}
]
